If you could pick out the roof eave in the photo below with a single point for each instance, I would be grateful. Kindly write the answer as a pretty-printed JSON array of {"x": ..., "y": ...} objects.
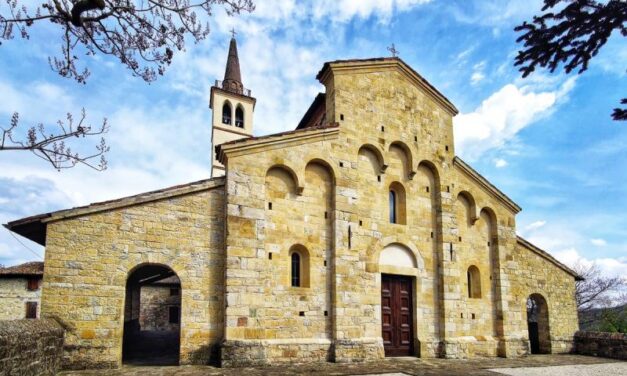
[
  {"x": 32, "y": 228},
  {"x": 485, "y": 183}
]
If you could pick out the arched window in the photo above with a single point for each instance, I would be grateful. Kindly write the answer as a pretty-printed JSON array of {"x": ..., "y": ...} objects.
[
  {"x": 397, "y": 203},
  {"x": 296, "y": 280},
  {"x": 227, "y": 114},
  {"x": 298, "y": 266},
  {"x": 239, "y": 117},
  {"x": 392, "y": 206},
  {"x": 474, "y": 282}
]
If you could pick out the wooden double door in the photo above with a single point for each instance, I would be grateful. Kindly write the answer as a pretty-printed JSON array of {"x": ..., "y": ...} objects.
[{"x": 397, "y": 315}]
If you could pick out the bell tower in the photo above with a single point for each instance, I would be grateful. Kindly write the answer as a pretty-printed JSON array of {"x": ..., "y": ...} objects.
[{"x": 232, "y": 108}]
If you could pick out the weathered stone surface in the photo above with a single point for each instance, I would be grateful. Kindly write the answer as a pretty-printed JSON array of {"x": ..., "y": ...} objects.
[
  {"x": 30, "y": 347},
  {"x": 14, "y": 294},
  {"x": 183, "y": 232}
]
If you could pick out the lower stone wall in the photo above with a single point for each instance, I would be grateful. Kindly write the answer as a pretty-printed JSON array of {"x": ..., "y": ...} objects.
[
  {"x": 471, "y": 346},
  {"x": 608, "y": 345},
  {"x": 247, "y": 353},
  {"x": 30, "y": 347}
]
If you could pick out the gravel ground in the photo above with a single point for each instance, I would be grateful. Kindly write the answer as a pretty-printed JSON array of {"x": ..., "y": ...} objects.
[
  {"x": 553, "y": 365},
  {"x": 607, "y": 369}
]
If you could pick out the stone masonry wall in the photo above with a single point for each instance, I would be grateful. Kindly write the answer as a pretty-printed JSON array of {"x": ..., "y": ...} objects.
[
  {"x": 88, "y": 260},
  {"x": 14, "y": 295},
  {"x": 530, "y": 273},
  {"x": 607, "y": 345},
  {"x": 30, "y": 347},
  {"x": 154, "y": 312},
  {"x": 391, "y": 134}
]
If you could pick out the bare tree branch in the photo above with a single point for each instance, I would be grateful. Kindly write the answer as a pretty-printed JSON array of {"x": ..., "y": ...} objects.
[
  {"x": 52, "y": 147},
  {"x": 570, "y": 36},
  {"x": 143, "y": 35},
  {"x": 595, "y": 290}
]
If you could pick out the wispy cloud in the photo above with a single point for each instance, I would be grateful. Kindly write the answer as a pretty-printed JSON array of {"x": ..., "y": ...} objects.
[
  {"x": 598, "y": 242},
  {"x": 478, "y": 73},
  {"x": 503, "y": 114},
  {"x": 500, "y": 163}
]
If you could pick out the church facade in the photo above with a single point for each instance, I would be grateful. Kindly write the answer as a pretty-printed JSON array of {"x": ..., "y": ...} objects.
[{"x": 356, "y": 236}]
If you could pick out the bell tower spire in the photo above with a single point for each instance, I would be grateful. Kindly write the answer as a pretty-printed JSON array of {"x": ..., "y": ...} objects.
[
  {"x": 232, "y": 107},
  {"x": 232, "y": 76}
]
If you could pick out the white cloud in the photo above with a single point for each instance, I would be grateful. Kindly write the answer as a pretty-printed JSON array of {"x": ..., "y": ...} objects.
[
  {"x": 598, "y": 242},
  {"x": 505, "y": 113},
  {"x": 344, "y": 10},
  {"x": 476, "y": 77},
  {"x": 534, "y": 226},
  {"x": 565, "y": 241},
  {"x": 495, "y": 14},
  {"x": 500, "y": 163},
  {"x": 478, "y": 73},
  {"x": 610, "y": 267}
]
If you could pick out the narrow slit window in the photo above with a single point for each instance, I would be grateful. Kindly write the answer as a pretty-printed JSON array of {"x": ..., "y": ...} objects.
[
  {"x": 295, "y": 270},
  {"x": 392, "y": 199}
]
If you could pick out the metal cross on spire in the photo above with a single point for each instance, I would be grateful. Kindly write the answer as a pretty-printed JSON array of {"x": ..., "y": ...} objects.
[
  {"x": 233, "y": 33},
  {"x": 393, "y": 50}
]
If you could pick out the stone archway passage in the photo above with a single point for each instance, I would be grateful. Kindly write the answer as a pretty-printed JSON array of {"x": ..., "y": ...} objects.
[
  {"x": 152, "y": 316},
  {"x": 397, "y": 315},
  {"x": 538, "y": 324}
]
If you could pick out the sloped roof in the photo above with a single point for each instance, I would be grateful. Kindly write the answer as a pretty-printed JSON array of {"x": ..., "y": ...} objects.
[
  {"x": 547, "y": 257},
  {"x": 33, "y": 268},
  {"x": 485, "y": 183},
  {"x": 232, "y": 72},
  {"x": 34, "y": 227}
]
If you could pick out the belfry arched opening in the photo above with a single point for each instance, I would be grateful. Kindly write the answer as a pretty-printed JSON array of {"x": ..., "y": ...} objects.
[{"x": 152, "y": 316}]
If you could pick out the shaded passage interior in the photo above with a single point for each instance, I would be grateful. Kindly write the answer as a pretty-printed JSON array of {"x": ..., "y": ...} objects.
[{"x": 152, "y": 314}]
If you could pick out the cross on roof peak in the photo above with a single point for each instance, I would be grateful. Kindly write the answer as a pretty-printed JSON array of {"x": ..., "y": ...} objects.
[
  {"x": 393, "y": 50},
  {"x": 233, "y": 33}
]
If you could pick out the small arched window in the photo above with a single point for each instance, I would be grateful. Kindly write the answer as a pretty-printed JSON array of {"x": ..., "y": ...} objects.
[
  {"x": 392, "y": 206},
  {"x": 239, "y": 117},
  {"x": 396, "y": 200},
  {"x": 296, "y": 277},
  {"x": 227, "y": 114},
  {"x": 474, "y": 282}
]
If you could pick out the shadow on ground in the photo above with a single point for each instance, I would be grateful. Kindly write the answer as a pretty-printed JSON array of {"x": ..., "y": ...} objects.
[{"x": 151, "y": 348}]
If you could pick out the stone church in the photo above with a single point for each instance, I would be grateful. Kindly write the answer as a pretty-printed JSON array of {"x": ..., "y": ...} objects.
[{"x": 356, "y": 236}]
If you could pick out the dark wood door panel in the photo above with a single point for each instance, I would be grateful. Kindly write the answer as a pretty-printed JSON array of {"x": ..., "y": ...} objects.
[{"x": 397, "y": 315}]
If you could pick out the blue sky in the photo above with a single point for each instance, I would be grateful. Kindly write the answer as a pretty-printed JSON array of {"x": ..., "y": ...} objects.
[{"x": 547, "y": 141}]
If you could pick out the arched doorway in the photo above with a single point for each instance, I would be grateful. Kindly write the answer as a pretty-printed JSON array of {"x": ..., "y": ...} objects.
[
  {"x": 538, "y": 324},
  {"x": 397, "y": 297},
  {"x": 152, "y": 316}
]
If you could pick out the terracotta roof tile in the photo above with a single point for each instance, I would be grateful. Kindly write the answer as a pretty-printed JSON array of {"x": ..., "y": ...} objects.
[{"x": 26, "y": 269}]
